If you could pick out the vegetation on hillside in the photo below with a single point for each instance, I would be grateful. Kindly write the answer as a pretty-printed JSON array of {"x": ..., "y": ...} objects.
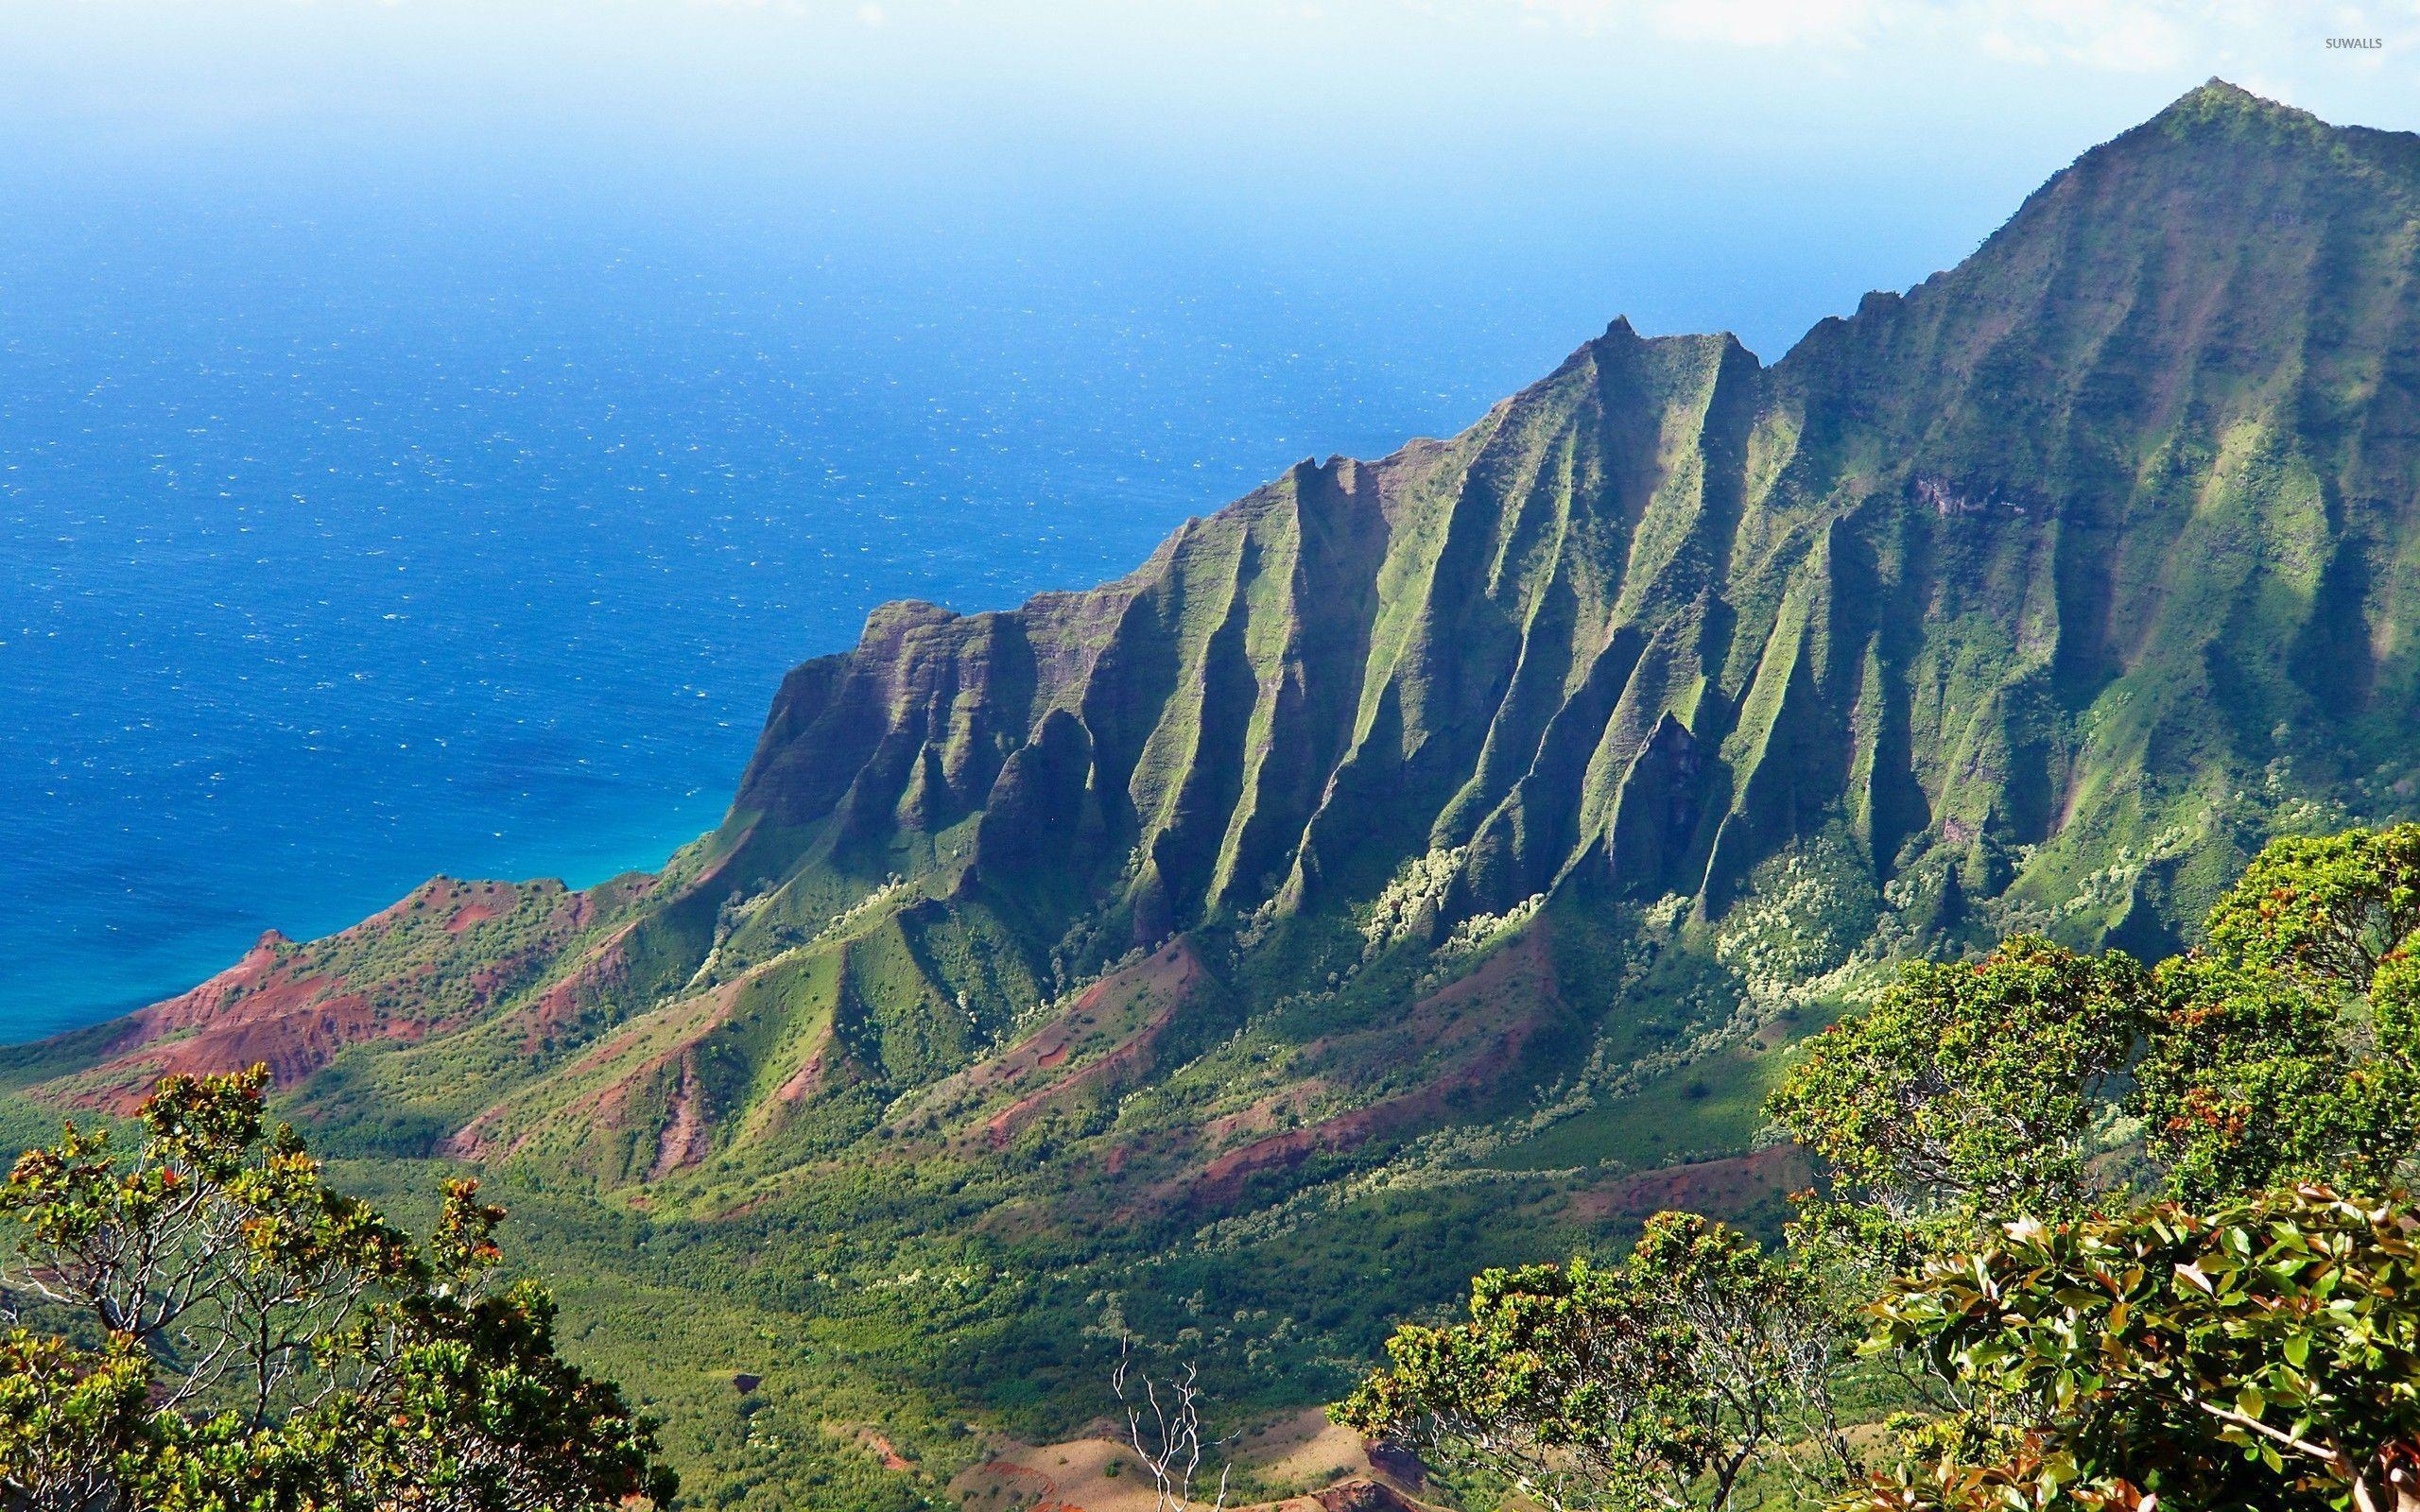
[
  {"x": 2124, "y": 1238},
  {"x": 1426, "y": 865}
]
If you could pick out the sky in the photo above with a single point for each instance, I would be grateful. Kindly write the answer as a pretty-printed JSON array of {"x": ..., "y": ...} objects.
[
  {"x": 1641, "y": 156},
  {"x": 952, "y": 298}
]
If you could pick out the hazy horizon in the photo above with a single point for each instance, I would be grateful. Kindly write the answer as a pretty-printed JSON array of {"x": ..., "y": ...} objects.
[
  {"x": 1825, "y": 149},
  {"x": 427, "y": 430}
]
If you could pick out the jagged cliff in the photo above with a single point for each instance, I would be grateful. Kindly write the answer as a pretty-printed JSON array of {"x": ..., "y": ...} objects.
[
  {"x": 1422, "y": 793},
  {"x": 2102, "y": 522}
]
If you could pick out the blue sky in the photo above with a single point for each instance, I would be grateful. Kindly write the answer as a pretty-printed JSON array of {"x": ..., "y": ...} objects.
[{"x": 1754, "y": 163}]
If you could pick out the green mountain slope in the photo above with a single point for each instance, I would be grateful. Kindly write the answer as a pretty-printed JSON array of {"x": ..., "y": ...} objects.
[{"x": 1444, "y": 846}]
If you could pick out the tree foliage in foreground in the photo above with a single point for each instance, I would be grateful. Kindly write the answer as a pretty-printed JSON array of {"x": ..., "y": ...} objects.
[
  {"x": 2250, "y": 1342},
  {"x": 2287, "y": 1047},
  {"x": 1589, "y": 1387},
  {"x": 1970, "y": 1083},
  {"x": 235, "y": 1335},
  {"x": 2265, "y": 1353}
]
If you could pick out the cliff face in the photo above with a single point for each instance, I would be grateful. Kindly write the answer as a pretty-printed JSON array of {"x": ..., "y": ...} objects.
[
  {"x": 1467, "y": 643},
  {"x": 2032, "y": 598},
  {"x": 2067, "y": 542}
]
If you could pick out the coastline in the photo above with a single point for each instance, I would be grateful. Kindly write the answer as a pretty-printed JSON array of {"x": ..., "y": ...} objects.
[{"x": 38, "y": 1011}]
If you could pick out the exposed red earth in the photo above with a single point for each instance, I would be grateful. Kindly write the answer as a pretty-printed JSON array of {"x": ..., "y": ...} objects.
[{"x": 294, "y": 1008}]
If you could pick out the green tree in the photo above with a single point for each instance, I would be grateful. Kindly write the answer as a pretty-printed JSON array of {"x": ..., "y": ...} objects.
[
  {"x": 2265, "y": 1353},
  {"x": 2329, "y": 910},
  {"x": 1971, "y": 1088},
  {"x": 2287, "y": 1047},
  {"x": 2255, "y": 1344},
  {"x": 232, "y": 1334},
  {"x": 1589, "y": 1387}
]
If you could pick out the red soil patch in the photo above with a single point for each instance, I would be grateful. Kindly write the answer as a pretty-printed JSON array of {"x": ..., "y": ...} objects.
[
  {"x": 807, "y": 1077},
  {"x": 687, "y": 1135},
  {"x": 1262, "y": 1117},
  {"x": 1173, "y": 975},
  {"x": 562, "y": 1007},
  {"x": 685, "y": 1139},
  {"x": 478, "y": 913},
  {"x": 1222, "y": 1181},
  {"x": 294, "y": 1008},
  {"x": 482, "y": 1139},
  {"x": 602, "y": 1107},
  {"x": 1484, "y": 1038},
  {"x": 1354, "y": 1495},
  {"x": 1175, "y": 971},
  {"x": 267, "y": 1007}
]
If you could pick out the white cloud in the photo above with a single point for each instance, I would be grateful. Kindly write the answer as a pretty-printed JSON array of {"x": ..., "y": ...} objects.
[
  {"x": 1764, "y": 23},
  {"x": 2121, "y": 36}
]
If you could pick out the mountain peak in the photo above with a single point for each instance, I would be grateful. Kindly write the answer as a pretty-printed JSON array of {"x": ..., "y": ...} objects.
[
  {"x": 2219, "y": 105},
  {"x": 2217, "y": 92}
]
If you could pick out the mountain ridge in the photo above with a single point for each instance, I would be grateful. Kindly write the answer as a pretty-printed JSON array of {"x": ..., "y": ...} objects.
[
  {"x": 1452, "y": 843},
  {"x": 1635, "y": 632}
]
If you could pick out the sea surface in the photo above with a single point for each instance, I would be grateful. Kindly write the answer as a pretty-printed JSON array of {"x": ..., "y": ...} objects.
[{"x": 355, "y": 531}]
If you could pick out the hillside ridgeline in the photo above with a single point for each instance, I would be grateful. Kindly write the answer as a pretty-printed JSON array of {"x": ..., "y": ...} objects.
[{"x": 1495, "y": 807}]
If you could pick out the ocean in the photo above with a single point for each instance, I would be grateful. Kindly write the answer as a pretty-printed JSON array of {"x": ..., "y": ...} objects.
[
  {"x": 342, "y": 544},
  {"x": 360, "y": 527}
]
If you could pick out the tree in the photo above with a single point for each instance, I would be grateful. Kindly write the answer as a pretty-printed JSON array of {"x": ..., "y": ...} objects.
[
  {"x": 1767, "y": 1335},
  {"x": 2265, "y": 1353},
  {"x": 2252, "y": 1343},
  {"x": 2327, "y": 910},
  {"x": 1163, "y": 1425},
  {"x": 1624, "y": 1388},
  {"x": 2287, "y": 1047},
  {"x": 236, "y": 1334},
  {"x": 2254, "y": 1078},
  {"x": 1971, "y": 1086}
]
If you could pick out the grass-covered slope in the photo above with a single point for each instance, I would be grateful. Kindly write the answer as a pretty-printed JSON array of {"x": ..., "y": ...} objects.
[{"x": 1424, "y": 862}]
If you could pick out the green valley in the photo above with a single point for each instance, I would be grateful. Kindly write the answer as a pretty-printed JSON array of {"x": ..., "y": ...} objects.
[{"x": 1421, "y": 864}]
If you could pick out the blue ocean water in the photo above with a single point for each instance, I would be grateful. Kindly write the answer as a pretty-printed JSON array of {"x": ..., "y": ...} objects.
[
  {"x": 343, "y": 545},
  {"x": 356, "y": 528}
]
